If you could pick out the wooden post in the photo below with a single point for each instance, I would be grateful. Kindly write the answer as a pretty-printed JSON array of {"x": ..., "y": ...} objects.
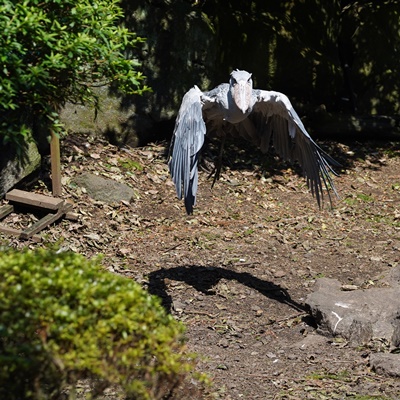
[{"x": 55, "y": 165}]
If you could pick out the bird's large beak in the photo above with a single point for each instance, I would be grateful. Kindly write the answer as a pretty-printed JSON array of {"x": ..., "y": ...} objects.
[{"x": 242, "y": 96}]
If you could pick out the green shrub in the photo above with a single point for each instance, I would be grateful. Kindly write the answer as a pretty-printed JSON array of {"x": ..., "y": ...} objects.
[
  {"x": 54, "y": 51},
  {"x": 63, "y": 319}
]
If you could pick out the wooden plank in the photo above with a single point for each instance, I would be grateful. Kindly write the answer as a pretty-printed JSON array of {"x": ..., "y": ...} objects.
[
  {"x": 10, "y": 231},
  {"x": 41, "y": 224},
  {"x": 34, "y": 199},
  {"x": 17, "y": 232},
  {"x": 45, "y": 221},
  {"x": 5, "y": 210},
  {"x": 55, "y": 165},
  {"x": 61, "y": 207}
]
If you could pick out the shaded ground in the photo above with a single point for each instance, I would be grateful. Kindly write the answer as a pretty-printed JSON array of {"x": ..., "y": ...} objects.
[{"x": 238, "y": 270}]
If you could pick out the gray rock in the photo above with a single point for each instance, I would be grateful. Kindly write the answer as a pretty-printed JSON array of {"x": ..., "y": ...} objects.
[
  {"x": 310, "y": 342},
  {"x": 110, "y": 121},
  {"x": 385, "y": 364},
  {"x": 13, "y": 169},
  {"x": 359, "y": 315},
  {"x": 102, "y": 189}
]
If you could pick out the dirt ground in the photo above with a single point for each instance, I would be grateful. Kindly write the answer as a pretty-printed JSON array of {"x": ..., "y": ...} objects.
[{"x": 237, "y": 272}]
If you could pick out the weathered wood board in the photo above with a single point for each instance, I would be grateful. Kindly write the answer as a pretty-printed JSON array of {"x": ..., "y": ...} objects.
[{"x": 56, "y": 209}]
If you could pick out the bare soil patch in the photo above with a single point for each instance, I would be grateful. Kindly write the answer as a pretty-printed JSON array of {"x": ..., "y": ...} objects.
[{"x": 237, "y": 271}]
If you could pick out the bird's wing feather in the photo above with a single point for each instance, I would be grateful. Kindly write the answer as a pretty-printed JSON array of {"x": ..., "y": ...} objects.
[
  {"x": 187, "y": 141},
  {"x": 274, "y": 116}
]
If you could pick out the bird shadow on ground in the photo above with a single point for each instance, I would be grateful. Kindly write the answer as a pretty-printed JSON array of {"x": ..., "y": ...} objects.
[{"x": 204, "y": 279}]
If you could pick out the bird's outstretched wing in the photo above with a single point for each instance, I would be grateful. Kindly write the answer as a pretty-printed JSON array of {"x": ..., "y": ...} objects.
[
  {"x": 274, "y": 116},
  {"x": 187, "y": 141}
]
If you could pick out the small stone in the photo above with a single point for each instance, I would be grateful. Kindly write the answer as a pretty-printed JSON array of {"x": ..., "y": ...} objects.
[
  {"x": 93, "y": 236},
  {"x": 223, "y": 343},
  {"x": 178, "y": 306},
  {"x": 348, "y": 288},
  {"x": 279, "y": 274}
]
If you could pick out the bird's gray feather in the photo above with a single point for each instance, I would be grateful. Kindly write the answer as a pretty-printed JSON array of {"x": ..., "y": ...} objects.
[
  {"x": 291, "y": 140},
  {"x": 187, "y": 142}
]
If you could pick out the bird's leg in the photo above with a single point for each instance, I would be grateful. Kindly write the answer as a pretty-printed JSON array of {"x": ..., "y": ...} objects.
[
  {"x": 218, "y": 162},
  {"x": 205, "y": 164}
]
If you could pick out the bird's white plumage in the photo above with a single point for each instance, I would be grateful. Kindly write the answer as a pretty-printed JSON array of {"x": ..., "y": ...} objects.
[{"x": 267, "y": 115}]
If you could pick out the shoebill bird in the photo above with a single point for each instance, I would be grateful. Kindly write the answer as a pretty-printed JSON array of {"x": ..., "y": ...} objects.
[{"x": 259, "y": 116}]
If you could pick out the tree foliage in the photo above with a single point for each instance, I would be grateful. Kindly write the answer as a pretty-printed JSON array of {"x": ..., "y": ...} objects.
[
  {"x": 63, "y": 319},
  {"x": 53, "y": 51},
  {"x": 339, "y": 56}
]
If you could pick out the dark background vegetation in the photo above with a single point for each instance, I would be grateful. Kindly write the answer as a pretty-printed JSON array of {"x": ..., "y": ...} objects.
[{"x": 338, "y": 55}]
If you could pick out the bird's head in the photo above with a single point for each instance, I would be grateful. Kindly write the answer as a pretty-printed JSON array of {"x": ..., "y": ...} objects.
[{"x": 241, "y": 87}]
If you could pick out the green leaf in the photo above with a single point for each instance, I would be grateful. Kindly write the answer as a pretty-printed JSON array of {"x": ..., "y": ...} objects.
[{"x": 54, "y": 51}]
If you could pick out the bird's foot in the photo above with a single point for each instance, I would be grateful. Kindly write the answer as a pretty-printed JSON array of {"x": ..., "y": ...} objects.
[{"x": 216, "y": 172}]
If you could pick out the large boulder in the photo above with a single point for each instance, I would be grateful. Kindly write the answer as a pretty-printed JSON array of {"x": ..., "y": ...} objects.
[
  {"x": 14, "y": 167},
  {"x": 364, "y": 317},
  {"x": 111, "y": 120},
  {"x": 361, "y": 315}
]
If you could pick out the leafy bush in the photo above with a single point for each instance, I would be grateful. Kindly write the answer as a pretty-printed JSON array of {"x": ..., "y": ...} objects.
[
  {"x": 53, "y": 51},
  {"x": 63, "y": 319}
]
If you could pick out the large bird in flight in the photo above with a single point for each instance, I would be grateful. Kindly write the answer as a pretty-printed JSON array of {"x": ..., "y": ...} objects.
[{"x": 235, "y": 108}]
